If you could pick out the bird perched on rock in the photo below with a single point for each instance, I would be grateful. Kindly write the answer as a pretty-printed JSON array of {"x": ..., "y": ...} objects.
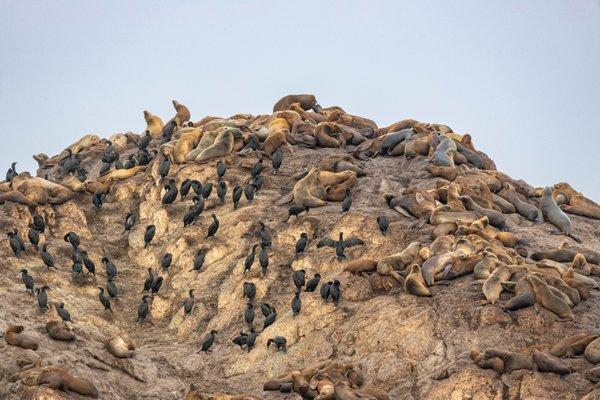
[
  {"x": 221, "y": 191},
  {"x": 165, "y": 263},
  {"x": 296, "y": 303},
  {"x": 104, "y": 299},
  {"x": 208, "y": 342},
  {"x": 27, "y": 280},
  {"x": 170, "y": 193},
  {"x": 250, "y": 259},
  {"x": 296, "y": 210},
  {"x": 265, "y": 236},
  {"x": 98, "y": 199},
  {"x": 347, "y": 202},
  {"x": 326, "y": 290},
  {"x": 214, "y": 226},
  {"x": 249, "y": 314},
  {"x": 143, "y": 309},
  {"x": 335, "y": 292},
  {"x": 340, "y": 245},
  {"x": 299, "y": 278},
  {"x": 16, "y": 244},
  {"x": 188, "y": 304},
  {"x": 111, "y": 288},
  {"x": 156, "y": 285},
  {"x": 42, "y": 298},
  {"x": 38, "y": 223},
  {"x": 221, "y": 169},
  {"x": 63, "y": 313},
  {"x": 312, "y": 284},
  {"x": 12, "y": 172},
  {"x": 199, "y": 260},
  {"x": 301, "y": 243},
  {"x": 277, "y": 159},
  {"x": 383, "y": 223},
  {"x": 186, "y": 185},
  {"x": 270, "y": 320},
  {"x": 111, "y": 269},
  {"x": 34, "y": 237},
  {"x": 144, "y": 141},
  {"x": 249, "y": 290},
  {"x": 149, "y": 281},
  {"x": 278, "y": 341},
  {"x": 149, "y": 235},
  {"x": 257, "y": 168},
  {"x": 263, "y": 258},
  {"x": 249, "y": 192},
  {"x": 236, "y": 195},
  {"x": 207, "y": 189},
  {"x": 251, "y": 339},
  {"x": 72, "y": 238},
  {"x": 165, "y": 166},
  {"x": 241, "y": 339},
  {"x": 88, "y": 263},
  {"x": 129, "y": 221}
]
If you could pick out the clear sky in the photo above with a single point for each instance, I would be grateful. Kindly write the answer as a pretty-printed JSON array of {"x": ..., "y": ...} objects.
[{"x": 522, "y": 77}]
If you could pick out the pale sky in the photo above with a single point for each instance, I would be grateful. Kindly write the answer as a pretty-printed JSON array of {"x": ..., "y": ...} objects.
[{"x": 522, "y": 77}]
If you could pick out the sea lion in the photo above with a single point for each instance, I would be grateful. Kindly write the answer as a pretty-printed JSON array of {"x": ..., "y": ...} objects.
[
  {"x": 206, "y": 140},
  {"x": 305, "y": 101},
  {"x": 58, "y": 331},
  {"x": 444, "y": 153},
  {"x": 337, "y": 183},
  {"x": 274, "y": 141},
  {"x": 495, "y": 218},
  {"x": 574, "y": 202},
  {"x": 303, "y": 192},
  {"x": 512, "y": 361},
  {"x": 484, "y": 268},
  {"x": 524, "y": 209},
  {"x": 569, "y": 278},
  {"x": 14, "y": 337},
  {"x": 121, "y": 174},
  {"x": 560, "y": 348},
  {"x": 182, "y": 113},
  {"x": 186, "y": 143},
  {"x": 222, "y": 145},
  {"x": 120, "y": 346},
  {"x": 58, "y": 378},
  {"x": 443, "y": 214},
  {"x": 549, "y": 300},
  {"x": 154, "y": 125},
  {"x": 548, "y": 363},
  {"x": 463, "y": 265},
  {"x": 567, "y": 254},
  {"x": 592, "y": 351},
  {"x": 524, "y": 295},
  {"x": 436, "y": 264},
  {"x": 397, "y": 262},
  {"x": 414, "y": 283},
  {"x": 361, "y": 265},
  {"x": 557, "y": 217},
  {"x": 492, "y": 287},
  {"x": 416, "y": 146}
]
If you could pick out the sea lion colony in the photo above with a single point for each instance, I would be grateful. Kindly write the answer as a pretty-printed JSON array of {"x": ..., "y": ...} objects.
[{"x": 338, "y": 258}]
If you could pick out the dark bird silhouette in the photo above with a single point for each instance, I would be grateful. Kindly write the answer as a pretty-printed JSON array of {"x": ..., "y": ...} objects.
[
  {"x": 221, "y": 191},
  {"x": 241, "y": 339},
  {"x": 149, "y": 235},
  {"x": 111, "y": 269},
  {"x": 98, "y": 199},
  {"x": 249, "y": 290},
  {"x": 312, "y": 284},
  {"x": 81, "y": 174},
  {"x": 301, "y": 243},
  {"x": 16, "y": 244},
  {"x": 144, "y": 141},
  {"x": 12, "y": 172},
  {"x": 197, "y": 187},
  {"x": 296, "y": 210},
  {"x": 256, "y": 183},
  {"x": 143, "y": 157},
  {"x": 165, "y": 263},
  {"x": 249, "y": 314},
  {"x": 34, "y": 237},
  {"x": 149, "y": 281},
  {"x": 129, "y": 221},
  {"x": 72, "y": 238},
  {"x": 278, "y": 341},
  {"x": 236, "y": 196},
  {"x": 265, "y": 236},
  {"x": 47, "y": 257},
  {"x": 325, "y": 290},
  {"x": 110, "y": 154},
  {"x": 251, "y": 339},
  {"x": 277, "y": 159},
  {"x": 39, "y": 224},
  {"x": 42, "y": 298},
  {"x": 347, "y": 202},
  {"x": 250, "y": 259},
  {"x": 188, "y": 304},
  {"x": 263, "y": 258},
  {"x": 265, "y": 309},
  {"x": 270, "y": 320},
  {"x": 207, "y": 189},
  {"x": 71, "y": 163},
  {"x": 168, "y": 130},
  {"x": 165, "y": 166},
  {"x": 214, "y": 226},
  {"x": 105, "y": 168},
  {"x": 104, "y": 299},
  {"x": 299, "y": 278},
  {"x": 383, "y": 223},
  {"x": 88, "y": 263},
  {"x": 296, "y": 303},
  {"x": 221, "y": 169},
  {"x": 335, "y": 291},
  {"x": 63, "y": 313},
  {"x": 340, "y": 245},
  {"x": 143, "y": 309},
  {"x": 257, "y": 168},
  {"x": 208, "y": 342},
  {"x": 27, "y": 280},
  {"x": 77, "y": 269},
  {"x": 156, "y": 285},
  {"x": 249, "y": 192},
  {"x": 170, "y": 193},
  {"x": 186, "y": 185},
  {"x": 111, "y": 288},
  {"x": 199, "y": 260}
]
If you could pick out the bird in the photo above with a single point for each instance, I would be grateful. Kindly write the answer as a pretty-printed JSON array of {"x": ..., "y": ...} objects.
[
  {"x": 16, "y": 244},
  {"x": 251, "y": 339},
  {"x": 149, "y": 281},
  {"x": 170, "y": 193},
  {"x": 335, "y": 292},
  {"x": 111, "y": 288},
  {"x": 199, "y": 260},
  {"x": 149, "y": 235},
  {"x": 77, "y": 269},
  {"x": 88, "y": 263},
  {"x": 256, "y": 183},
  {"x": 186, "y": 185},
  {"x": 383, "y": 223},
  {"x": 249, "y": 290},
  {"x": 34, "y": 237},
  {"x": 207, "y": 189},
  {"x": 12, "y": 172},
  {"x": 197, "y": 187},
  {"x": 72, "y": 238},
  {"x": 249, "y": 314},
  {"x": 301, "y": 243},
  {"x": 236, "y": 195},
  {"x": 143, "y": 309},
  {"x": 249, "y": 192},
  {"x": 265, "y": 236},
  {"x": 325, "y": 290},
  {"x": 296, "y": 303},
  {"x": 42, "y": 298},
  {"x": 47, "y": 257},
  {"x": 71, "y": 163},
  {"x": 27, "y": 280},
  {"x": 299, "y": 278},
  {"x": 221, "y": 169},
  {"x": 63, "y": 313},
  {"x": 214, "y": 226},
  {"x": 240, "y": 340},
  {"x": 279, "y": 341},
  {"x": 312, "y": 284},
  {"x": 38, "y": 223},
  {"x": 168, "y": 130},
  {"x": 208, "y": 342},
  {"x": 165, "y": 166},
  {"x": 250, "y": 259},
  {"x": 199, "y": 202},
  {"x": 98, "y": 199},
  {"x": 190, "y": 217},
  {"x": 257, "y": 168},
  {"x": 188, "y": 304},
  {"x": 104, "y": 299},
  {"x": 263, "y": 258},
  {"x": 145, "y": 140},
  {"x": 111, "y": 269},
  {"x": 296, "y": 210},
  {"x": 221, "y": 191},
  {"x": 156, "y": 285},
  {"x": 165, "y": 263},
  {"x": 270, "y": 320},
  {"x": 81, "y": 174},
  {"x": 347, "y": 202},
  {"x": 105, "y": 168},
  {"x": 277, "y": 159},
  {"x": 265, "y": 309},
  {"x": 129, "y": 221},
  {"x": 340, "y": 245}
]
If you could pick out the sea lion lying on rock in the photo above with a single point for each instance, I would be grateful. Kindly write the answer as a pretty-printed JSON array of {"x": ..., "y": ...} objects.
[
  {"x": 58, "y": 378},
  {"x": 120, "y": 346},
  {"x": 14, "y": 337},
  {"x": 58, "y": 331}
]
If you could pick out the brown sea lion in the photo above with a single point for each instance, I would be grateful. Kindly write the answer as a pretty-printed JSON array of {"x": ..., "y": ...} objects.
[
  {"x": 275, "y": 140},
  {"x": 58, "y": 331},
  {"x": 548, "y": 363},
  {"x": 574, "y": 202},
  {"x": 14, "y": 337},
  {"x": 120, "y": 346},
  {"x": 397, "y": 126},
  {"x": 305, "y": 101},
  {"x": 361, "y": 265},
  {"x": 560, "y": 348},
  {"x": 555, "y": 216},
  {"x": 443, "y": 214},
  {"x": 222, "y": 145},
  {"x": 524, "y": 209},
  {"x": 182, "y": 113},
  {"x": 549, "y": 300},
  {"x": 399, "y": 261},
  {"x": 61, "y": 379},
  {"x": 303, "y": 192},
  {"x": 415, "y": 283},
  {"x": 154, "y": 125},
  {"x": 185, "y": 144}
]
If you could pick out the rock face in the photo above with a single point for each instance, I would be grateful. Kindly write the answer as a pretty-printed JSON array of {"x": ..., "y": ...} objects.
[{"x": 410, "y": 347}]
